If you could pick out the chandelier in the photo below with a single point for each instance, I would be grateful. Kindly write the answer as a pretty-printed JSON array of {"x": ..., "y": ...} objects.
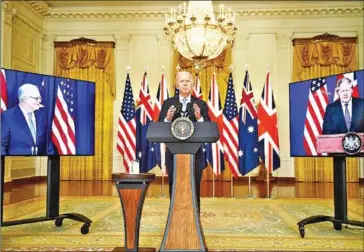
[{"x": 196, "y": 34}]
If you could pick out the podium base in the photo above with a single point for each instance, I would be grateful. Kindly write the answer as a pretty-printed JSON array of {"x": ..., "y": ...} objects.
[
  {"x": 58, "y": 221},
  {"x": 321, "y": 218}
]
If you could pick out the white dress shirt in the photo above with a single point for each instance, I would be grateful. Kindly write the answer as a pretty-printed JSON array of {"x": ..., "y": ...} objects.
[{"x": 184, "y": 106}]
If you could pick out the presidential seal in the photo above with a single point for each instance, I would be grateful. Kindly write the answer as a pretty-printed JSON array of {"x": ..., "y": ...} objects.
[
  {"x": 351, "y": 143},
  {"x": 182, "y": 128}
]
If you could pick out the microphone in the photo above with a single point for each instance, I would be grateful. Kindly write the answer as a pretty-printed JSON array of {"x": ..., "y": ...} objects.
[
  {"x": 191, "y": 111},
  {"x": 178, "y": 112},
  {"x": 178, "y": 108}
]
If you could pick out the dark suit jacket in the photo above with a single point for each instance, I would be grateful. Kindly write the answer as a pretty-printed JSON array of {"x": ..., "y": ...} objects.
[
  {"x": 334, "y": 121},
  {"x": 16, "y": 138},
  {"x": 204, "y": 113}
]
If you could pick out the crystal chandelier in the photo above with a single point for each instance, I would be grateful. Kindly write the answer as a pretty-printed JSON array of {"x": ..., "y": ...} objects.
[{"x": 196, "y": 34}]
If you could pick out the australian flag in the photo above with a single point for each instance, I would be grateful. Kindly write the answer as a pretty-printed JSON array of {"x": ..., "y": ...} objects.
[
  {"x": 144, "y": 115},
  {"x": 248, "y": 130}
]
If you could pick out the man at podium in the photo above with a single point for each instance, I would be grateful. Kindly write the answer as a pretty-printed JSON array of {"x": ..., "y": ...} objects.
[
  {"x": 346, "y": 114},
  {"x": 185, "y": 105}
]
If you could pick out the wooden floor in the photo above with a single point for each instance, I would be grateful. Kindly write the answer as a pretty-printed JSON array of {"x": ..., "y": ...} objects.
[{"x": 278, "y": 189}]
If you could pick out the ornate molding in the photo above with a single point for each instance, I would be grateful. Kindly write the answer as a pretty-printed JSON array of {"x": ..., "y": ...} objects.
[
  {"x": 324, "y": 37},
  {"x": 354, "y": 11},
  {"x": 83, "y": 41},
  {"x": 40, "y": 7},
  {"x": 303, "y": 12},
  {"x": 9, "y": 12}
]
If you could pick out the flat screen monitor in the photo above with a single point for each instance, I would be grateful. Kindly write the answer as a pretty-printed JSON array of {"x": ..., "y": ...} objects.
[
  {"x": 329, "y": 105},
  {"x": 45, "y": 115}
]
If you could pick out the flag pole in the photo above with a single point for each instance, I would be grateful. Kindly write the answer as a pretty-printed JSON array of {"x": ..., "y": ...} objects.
[
  {"x": 164, "y": 150},
  {"x": 213, "y": 183},
  {"x": 249, "y": 186},
  {"x": 268, "y": 183},
  {"x": 232, "y": 186}
]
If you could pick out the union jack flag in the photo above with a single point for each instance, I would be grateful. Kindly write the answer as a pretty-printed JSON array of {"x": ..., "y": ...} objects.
[
  {"x": 215, "y": 151},
  {"x": 197, "y": 92},
  {"x": 160, "y": 148},
  {"x": 268, "y": 129}
]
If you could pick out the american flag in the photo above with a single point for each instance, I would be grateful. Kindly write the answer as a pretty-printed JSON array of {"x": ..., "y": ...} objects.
[
  {"x": 268, "y": 128},
  {"x": 4, "y": 97},
  {"x": 144, "y": 115},
  {"x": 351, "y": 76},
  {"x": 63, "y": 125},
  {"x": 215, "y": 151},
  {"x": 126, "y": 138},
  {"x": 162, "y": 95},
  {"x": 196, "y": 92},
  {"x": 317, "y": 103},
  {"x": 248, "y": 130},
  {"x": 230, "y": 131}
]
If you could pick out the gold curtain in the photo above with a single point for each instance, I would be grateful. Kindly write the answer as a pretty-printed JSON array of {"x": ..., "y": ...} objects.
[
  {"x": 315, "y": 57},
  {"x": 89, "y": 60},
  {"x": 221, "y": 67}
]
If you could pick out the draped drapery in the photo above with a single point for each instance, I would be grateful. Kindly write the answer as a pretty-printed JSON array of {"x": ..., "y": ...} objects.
[
  {"x": 89, "y": 60},
  {"x": 220, "y": 66},
  {"x": 315, "y": 57}
]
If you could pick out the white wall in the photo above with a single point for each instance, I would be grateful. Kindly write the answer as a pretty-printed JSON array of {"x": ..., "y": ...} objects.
[{"x": 264, "y": 37}]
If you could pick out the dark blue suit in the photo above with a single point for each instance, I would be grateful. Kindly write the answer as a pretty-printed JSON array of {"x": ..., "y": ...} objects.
[
  {"x": 199, "y": 155},
  {"x": 334, "y": 121},
  {"x": 16, "y": 138}
]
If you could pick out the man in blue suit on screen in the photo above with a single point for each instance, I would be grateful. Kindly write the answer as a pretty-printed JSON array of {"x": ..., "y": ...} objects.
[
  {"x": 346, "y": 114},
  {"x": 24, "y": 126}
]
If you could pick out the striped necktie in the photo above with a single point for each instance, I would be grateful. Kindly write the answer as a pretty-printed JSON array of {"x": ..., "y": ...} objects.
[
  {"x": 347, "y": 117},
  {"x": 32, "y": 126}
]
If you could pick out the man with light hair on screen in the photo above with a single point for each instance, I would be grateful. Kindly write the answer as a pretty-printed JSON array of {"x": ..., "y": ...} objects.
[
  {"x": 24, "y": 126},
  {"x": 346, "y": 114}
]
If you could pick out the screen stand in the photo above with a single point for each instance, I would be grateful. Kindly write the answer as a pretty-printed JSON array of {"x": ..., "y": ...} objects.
[
  {"x": 53, "y": 188},
  {"x": 340, "y": 201}
]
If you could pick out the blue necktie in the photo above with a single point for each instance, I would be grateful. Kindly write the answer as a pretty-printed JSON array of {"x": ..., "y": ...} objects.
[
  {"x": 347, "y": 117},
  {"x": 32, "y": 126},
  {"x": 184, "y": 101}
]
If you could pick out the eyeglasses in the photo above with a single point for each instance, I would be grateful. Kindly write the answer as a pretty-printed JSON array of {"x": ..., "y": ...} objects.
[{"x": 36, "y": 98}]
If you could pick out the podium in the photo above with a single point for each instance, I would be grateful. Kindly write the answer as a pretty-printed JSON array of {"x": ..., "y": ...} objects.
[
  {"x": 132, "y": 189},
  {"x": 183, "y": 230},
  {"x": 331, "y": 144}
]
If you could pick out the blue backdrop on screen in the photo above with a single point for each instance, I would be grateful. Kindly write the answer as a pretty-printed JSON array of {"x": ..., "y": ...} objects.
[
  {"x": 299, "y": 101},
  {"x": 82, "y": 106}
]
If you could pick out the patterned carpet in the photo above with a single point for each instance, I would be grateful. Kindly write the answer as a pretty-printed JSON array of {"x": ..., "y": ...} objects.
[{"x": 229, "y": 224}]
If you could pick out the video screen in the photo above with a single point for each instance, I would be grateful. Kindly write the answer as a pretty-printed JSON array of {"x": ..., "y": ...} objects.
[
  {"x": 324, "y": 108},
  {"x": 44, "y": 115}
]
